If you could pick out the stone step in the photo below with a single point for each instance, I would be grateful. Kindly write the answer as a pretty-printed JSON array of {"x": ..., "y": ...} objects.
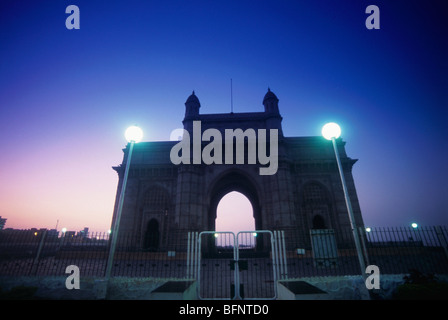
[
  {"x": 175, "y": 290},
  {"x": 299, "y": 290}
]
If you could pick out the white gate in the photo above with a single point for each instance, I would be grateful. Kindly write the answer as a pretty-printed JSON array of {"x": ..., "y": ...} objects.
[{"x": 229, "y": 266}]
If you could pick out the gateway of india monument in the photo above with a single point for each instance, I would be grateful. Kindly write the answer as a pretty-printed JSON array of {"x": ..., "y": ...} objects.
[{"x": 303, "y": 191}]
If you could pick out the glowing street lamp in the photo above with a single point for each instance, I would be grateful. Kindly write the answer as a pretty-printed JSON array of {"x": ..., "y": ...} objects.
[
  {"x": 133, "y": 135},
  {"x": 414, "y": 225},
  {"x": 332, "y": 131}
]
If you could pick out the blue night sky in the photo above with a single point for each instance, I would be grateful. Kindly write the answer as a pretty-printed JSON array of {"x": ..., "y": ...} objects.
[{"x": 66, "y": 96}]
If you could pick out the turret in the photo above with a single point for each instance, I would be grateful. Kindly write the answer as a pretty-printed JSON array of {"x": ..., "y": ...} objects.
[
  {"x": 192, "y": 106},
  {"x": 270, "y": 103}
]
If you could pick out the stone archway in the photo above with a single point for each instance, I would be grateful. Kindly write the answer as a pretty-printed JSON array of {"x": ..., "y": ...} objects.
[
  {"x": 237, "y": 180},
  {"x": 234, "y": 207},
  {"x": 234, "y": 181},
  {"x": 316, "y": 205}
]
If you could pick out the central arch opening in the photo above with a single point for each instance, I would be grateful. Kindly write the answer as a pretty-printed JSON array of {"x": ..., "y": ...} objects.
[
  {"x": 235, "y": 207},
  {"x": 234, "y": 213}
]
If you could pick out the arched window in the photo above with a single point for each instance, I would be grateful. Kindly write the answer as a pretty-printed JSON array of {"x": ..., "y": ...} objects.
[
  {"x": 318, "y": 222},
  {"x": 152, "y": 235},
  {"x": 315, "y": 205},
  {"x": 155, "y": 214}
]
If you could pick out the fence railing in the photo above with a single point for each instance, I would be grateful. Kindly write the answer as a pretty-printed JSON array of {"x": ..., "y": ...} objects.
[
  {"x": 45, "y": 253},
  {"x": 393, "y": 250},
  {"x": 320, "y": 253}
]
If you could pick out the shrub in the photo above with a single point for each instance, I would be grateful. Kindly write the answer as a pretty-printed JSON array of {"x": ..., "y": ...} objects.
[
  {"x": 418, "y": 286},
  {"x": 18, "y": 293}
]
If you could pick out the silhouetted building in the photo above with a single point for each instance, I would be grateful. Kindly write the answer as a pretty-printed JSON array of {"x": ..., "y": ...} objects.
[{"x": 305, "y": 192}]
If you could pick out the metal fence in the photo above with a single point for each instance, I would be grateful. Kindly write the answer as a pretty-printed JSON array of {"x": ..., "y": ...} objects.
[
  {"x": 394, "y": 250},
  {"x": 46, "y": 253},
  {"x": 319, "y": 253}
]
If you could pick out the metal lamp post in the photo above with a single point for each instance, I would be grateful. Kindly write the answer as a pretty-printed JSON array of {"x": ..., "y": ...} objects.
[
  {"x": 332, "y": 131},
  {"x": 133, "y": 135}
]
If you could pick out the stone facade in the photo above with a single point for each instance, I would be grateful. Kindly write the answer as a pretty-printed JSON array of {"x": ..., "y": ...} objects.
[{"x": 305, "y": 193}]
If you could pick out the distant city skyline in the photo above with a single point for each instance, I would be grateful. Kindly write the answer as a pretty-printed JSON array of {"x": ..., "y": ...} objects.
[{"x": 67, "y": 96}]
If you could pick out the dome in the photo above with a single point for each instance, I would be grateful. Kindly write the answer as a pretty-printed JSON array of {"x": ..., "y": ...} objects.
[
  {"x": 269, "y": 96},
  {"x": 192, "y": 99},
  {"x": 192, "y": 106}
]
